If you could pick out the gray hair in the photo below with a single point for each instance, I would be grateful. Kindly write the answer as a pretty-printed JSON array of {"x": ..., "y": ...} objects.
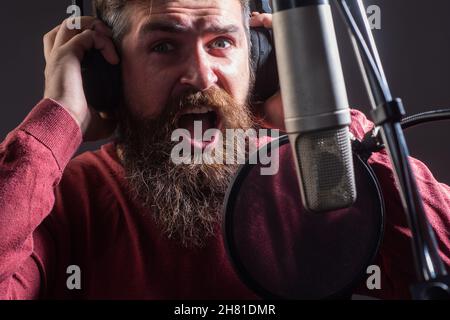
[{"x": 115, "y": 13}]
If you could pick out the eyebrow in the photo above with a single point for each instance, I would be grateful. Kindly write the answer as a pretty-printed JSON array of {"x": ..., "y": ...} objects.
[{"x": 173, "y": 27}]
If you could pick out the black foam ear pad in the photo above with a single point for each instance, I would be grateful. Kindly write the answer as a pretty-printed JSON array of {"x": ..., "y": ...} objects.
[
  {"x": 263, "y": 56},
  {"x": 264, "y": 64},
  {"x": 101, "y": 82}
]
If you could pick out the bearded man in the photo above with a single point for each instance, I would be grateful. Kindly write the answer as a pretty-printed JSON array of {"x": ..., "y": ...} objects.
[{"x": 134, "y": 224}]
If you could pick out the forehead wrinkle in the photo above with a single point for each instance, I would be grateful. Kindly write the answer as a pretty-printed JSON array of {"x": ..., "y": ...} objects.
[
  {"x": 162, "y": 26},
  {"x": 145, "y": 10},
  {"x": 194, "y": 9},
  {"x": 180, "y": 25},
  {"x": 174, "y": 6}
]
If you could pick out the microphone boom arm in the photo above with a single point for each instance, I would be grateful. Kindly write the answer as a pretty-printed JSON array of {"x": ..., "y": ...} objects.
[{"x": 434, "y": 282}]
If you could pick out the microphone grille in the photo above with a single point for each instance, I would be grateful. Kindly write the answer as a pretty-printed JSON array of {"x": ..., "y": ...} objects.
[{"x": 326, "y": 169}]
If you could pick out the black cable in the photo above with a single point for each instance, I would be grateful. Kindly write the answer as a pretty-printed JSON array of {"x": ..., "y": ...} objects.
[
  {"x": 424, "y": 117},
  {"x": 373, "y": 142}
]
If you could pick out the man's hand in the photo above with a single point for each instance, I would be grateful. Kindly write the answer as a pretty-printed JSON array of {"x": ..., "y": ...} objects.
[
  {"x": 64, "y": 50},
  {"x": 271, "y": 112}
]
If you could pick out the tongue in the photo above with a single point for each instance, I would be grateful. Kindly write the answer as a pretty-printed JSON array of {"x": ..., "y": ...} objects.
[{"x": 187, "y": 121}]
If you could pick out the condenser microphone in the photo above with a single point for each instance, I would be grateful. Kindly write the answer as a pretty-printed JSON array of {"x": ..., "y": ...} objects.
[{"x": 316, "y": 109}]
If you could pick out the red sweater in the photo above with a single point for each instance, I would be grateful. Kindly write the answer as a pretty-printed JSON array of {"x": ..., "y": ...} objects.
[{"x": 55, "y": 213}]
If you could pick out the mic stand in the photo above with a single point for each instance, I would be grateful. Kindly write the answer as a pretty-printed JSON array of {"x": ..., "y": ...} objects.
[{"x": 387, "y": 113}]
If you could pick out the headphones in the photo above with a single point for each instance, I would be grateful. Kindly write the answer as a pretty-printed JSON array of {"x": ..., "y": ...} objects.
[{"x": 102, "y": 81}]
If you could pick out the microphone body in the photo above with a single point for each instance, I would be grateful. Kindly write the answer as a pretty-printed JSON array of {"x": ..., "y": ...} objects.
[{"x": 316, "y": 109}]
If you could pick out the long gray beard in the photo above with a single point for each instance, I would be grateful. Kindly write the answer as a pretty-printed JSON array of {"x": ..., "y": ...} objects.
[{"x": 185, "y": 200}]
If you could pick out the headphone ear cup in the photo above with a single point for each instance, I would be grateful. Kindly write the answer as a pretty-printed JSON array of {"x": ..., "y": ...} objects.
[
  {"x": 264, "y": 64},
  {"x": 263, "y": 6},
  {"x": 101, "y": 82}
]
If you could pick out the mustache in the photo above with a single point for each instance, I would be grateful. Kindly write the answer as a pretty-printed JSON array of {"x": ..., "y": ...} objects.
[
  {"x": 215, "y": 98},
  {"x": 166, "y": 122}
]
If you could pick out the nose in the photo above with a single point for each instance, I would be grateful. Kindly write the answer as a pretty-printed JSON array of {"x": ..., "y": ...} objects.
[{"x": 199, "y": 72}]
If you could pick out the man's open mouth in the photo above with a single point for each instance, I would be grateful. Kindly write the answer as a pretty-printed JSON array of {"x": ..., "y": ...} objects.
[{"x": 198, "y": 120}]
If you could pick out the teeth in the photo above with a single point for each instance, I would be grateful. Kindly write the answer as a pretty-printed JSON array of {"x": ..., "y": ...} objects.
[{"x": 196, "y": 110}]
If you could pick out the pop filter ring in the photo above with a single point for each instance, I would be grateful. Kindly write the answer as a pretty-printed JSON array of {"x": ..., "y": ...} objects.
[{"x": 229, "y": 238}]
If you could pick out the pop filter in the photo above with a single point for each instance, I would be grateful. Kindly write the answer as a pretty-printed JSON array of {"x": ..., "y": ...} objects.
[{"x": 281, "y": 251}]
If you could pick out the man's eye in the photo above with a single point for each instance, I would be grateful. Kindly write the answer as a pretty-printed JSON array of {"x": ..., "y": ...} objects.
[
  {"x": 163, "y": 47},
  {"x": 221, "y": 43}
]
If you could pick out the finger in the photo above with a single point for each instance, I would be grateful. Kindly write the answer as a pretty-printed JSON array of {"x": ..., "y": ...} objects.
[
  {"x": 261, "y": 20},
  {"x": 65, "y": 33},
  {"x": 273, "y": 110},
  {"x": 89, "y": 39},
  {"x": 101, "y": 27},
  {"x": 49, "y": 41},
  {"x": 106, "y": 47}
]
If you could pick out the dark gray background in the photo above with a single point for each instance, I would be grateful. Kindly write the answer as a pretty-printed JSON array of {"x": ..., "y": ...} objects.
[{"x": 414, "y": 45}]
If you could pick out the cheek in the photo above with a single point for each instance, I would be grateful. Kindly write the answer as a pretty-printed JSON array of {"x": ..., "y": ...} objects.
[
  {"x": 235, "y": 77},
  {"x": 146, "y": 91}
]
